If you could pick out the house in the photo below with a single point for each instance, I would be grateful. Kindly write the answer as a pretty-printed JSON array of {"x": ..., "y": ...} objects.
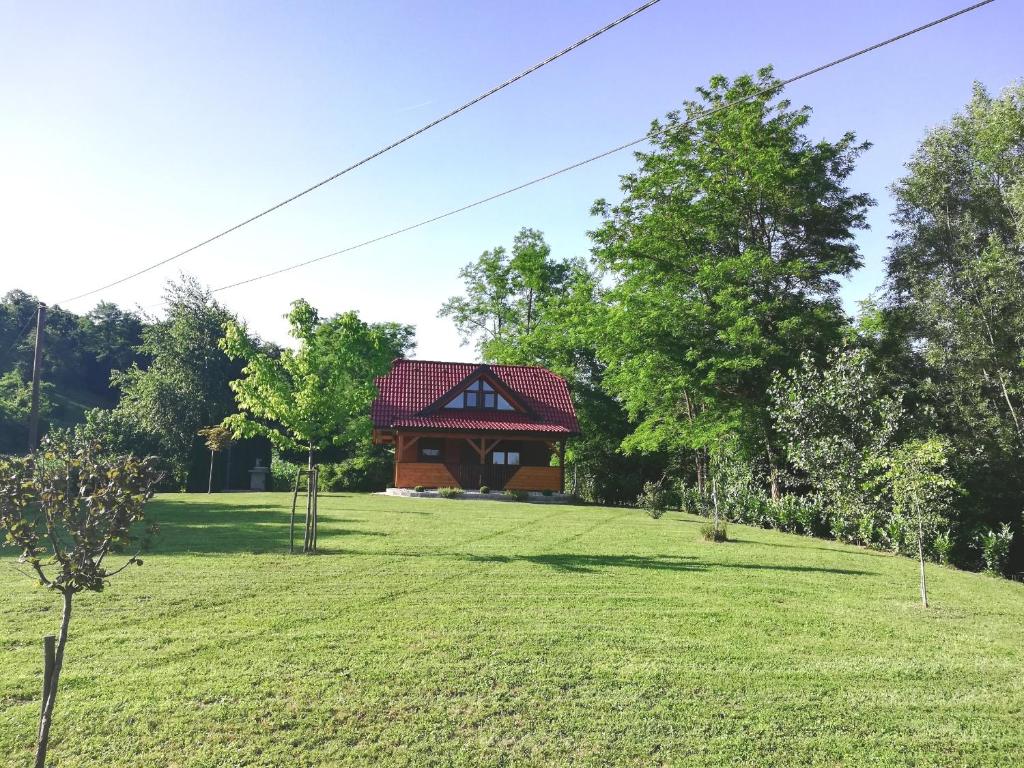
[{"x": 469, "y": 425}]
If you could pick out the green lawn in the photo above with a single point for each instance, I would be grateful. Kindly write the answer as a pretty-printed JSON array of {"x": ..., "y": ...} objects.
[{"x": 432, "y": 632}]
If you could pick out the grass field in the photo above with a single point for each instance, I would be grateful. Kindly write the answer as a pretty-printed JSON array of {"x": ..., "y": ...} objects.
[{"x": 432, "y": 632}]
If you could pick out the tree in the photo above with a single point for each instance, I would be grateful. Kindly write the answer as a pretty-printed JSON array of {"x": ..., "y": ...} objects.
[
  {"x": 531, "y": 309},
  {"x": 319, "y": 395},
  {"x": 67, "y": 510},
  {"x": 111, "y": 338},
  {"x": 955, "y": 292},
  {"x": 725, "y": 251},
  {"x": 187, "y": 383},
  {"x": 217, "y": 438},
  {"x": 916, "y": 473},
  {"x": 838, "y": 421},
  {"x": 15, "y": 405},
  {"x": 505, "y": 294}
]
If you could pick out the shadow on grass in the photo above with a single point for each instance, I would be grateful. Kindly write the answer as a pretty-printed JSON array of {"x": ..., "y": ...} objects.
[
  {"x": 212, "y": 526},
  {"x": 580, "y": 563}
]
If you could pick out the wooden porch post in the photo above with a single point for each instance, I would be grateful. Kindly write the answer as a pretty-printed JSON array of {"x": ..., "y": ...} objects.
[
  {"x": 561, "y": 466},
  {"x": 398, "y": 455}
]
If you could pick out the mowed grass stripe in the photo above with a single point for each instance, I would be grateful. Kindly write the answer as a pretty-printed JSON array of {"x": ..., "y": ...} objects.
[{"x": 498, "y": 633}]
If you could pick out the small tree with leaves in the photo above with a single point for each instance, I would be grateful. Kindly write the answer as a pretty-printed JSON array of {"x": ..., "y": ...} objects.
[
  {"x": 217, "y": 438},
  {"x": 68, "y": 509},
  {"x": 916, "y": 475},
  {"x": 317, "y": 396}
]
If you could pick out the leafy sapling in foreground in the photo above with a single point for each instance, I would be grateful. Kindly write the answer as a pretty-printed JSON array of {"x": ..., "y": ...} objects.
[
  {"x": 70, "y": 509},
  {"x": 916, "y": 475},
  {"x": 317, "y": 396}
]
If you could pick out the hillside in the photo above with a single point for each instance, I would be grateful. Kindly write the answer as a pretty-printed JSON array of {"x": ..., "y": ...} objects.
[{"x": 460, "y": 633}]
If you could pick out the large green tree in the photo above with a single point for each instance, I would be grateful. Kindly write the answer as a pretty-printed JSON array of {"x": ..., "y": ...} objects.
[
  {"x": 955, "y": 293},
  {"x": 505, "y": 293},
  {"x": 726, "y": 250},
  {"x": 529, "y": 308},
  {"x": 185, "y": 386}
]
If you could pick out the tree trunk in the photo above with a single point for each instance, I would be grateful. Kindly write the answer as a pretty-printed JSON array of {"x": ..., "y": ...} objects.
[
  {"x": 51, "y": 696},
  {"x": 209, "y": 484},
  {"x": 714, "y": 498},
  {"x": 307, "y": 544},
  {"x": 920, "y": 557},
  {"x": 699, "y": 462},
  {"x": 291, "y": 524}
]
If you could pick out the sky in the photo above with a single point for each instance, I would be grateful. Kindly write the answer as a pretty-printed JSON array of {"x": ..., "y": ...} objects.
[{"x": 130, "y": 131}]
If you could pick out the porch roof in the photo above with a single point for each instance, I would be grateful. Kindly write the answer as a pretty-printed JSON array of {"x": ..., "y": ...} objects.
[{"x": 446, "y": 423}]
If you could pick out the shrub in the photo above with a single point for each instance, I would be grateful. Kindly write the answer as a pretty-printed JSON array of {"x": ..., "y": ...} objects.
[
  {"x": 517, "y": 495},
  {"x": 944, "y": 547},
  {"x": 419, "y": 489},
  {"x": 449, "y": 493},
  {"x": 654, "y": 498},
  {"x": 547, "y": 493},
  {"x": 484, "y": 489},
  {"x": 995, "y": 548},
  {"x": 709, "y": 532},
  {"x": 693, "y": 502}
]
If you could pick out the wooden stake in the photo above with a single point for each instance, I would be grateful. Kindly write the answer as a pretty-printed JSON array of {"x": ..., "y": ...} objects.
[{"x": 291, "y": 526}]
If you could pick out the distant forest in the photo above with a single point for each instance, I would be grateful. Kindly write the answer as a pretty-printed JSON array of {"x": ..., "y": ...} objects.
[{"x": 80, "y": 353}]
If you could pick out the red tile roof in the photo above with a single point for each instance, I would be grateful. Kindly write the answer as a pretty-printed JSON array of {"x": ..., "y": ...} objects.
[{"x": 406, "y": 394}]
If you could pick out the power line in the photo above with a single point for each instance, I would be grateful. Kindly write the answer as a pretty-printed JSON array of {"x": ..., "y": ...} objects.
[
  {"x": 379, "y": 152},
  {"x": 612, "y": 151}
]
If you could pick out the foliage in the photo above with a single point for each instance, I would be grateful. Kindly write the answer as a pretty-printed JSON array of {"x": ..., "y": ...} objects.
[
  {"x": 419, "y": 489},
  {"x": 995, "y": 548},
  {"x": 15, "y": 406},
  {"x": 916, "y": 474},
  {"x": 655, "y": 498},
  {"x": 505, "y": 293},
  {"x": 69, "y": 507},
  {"x": 713, "y": 532},
  {"x": 185, "y": 385},
  {"x": 485, "y": 489},
  {"x": 66, "y": 510},
  {"x": 370, "y": 469},
  {"x": 319, "y": 395},
  {"x": 530, "y": 309},
  {"x": 954, "y": 294},
  {"x": 79, "y": 354},
  {"x": 216, "y": 437},
  {"x": 726, "y": 251},
  {"x": 449, "y": 493},
  {"x": 838, "y": 421},
  {"x": 943, "y": 546},
  {"x": 516, "y": 494}
]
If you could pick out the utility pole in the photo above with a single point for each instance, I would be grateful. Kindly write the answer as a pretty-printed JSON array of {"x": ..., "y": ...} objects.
[{"x": 37, "y": 365}]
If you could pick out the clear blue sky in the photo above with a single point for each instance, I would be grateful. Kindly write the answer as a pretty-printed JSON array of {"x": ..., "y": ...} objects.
[{"x": 133, "y": 130}]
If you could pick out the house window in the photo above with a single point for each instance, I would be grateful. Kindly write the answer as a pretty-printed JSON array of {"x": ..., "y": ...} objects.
[
  {"x": 430, "y": 450},
  {"x": 505, "y": 457},
  {"x": 480, "y": 394}
]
